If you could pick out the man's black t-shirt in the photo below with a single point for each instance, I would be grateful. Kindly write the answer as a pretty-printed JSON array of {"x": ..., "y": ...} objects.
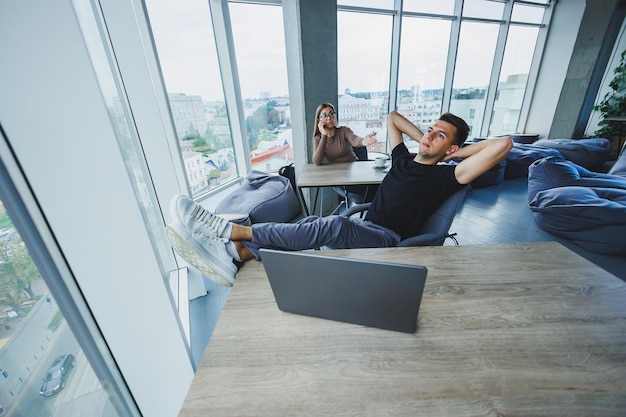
[{"x": 411, "y": 192}]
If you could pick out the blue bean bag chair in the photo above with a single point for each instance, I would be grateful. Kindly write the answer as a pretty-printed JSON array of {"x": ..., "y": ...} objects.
[
  {"x": 522, "y": 155},
  {"x": 264, "y": 197},
  {"x": 552, "y": 172},
  {"x": 588, "y": 153},
  {"x": 594, "y": 218}
]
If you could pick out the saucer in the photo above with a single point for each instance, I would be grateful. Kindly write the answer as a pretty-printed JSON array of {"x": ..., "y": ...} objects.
[{"x": 381, "y": 166}]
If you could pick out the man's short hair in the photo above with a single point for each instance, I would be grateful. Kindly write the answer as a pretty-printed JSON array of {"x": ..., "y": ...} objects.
[{"x": 462, "y": 129}]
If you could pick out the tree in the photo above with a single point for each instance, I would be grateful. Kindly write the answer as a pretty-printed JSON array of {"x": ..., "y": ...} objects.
[
  {"x": 17, "y": 272},
  {"x": 199, "y": 142},
  {"x": 273, "y": 119},
  {"x": 192, "y": 135},
  {"x": 264, "y": 118},
  {"x": 216, "y": 142},
  {"x": 254, "y": 124},
  {"x": 5, "y": 221}
]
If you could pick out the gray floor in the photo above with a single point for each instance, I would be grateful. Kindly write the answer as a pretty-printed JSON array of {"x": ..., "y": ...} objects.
[{"x": 500, "y": 214}]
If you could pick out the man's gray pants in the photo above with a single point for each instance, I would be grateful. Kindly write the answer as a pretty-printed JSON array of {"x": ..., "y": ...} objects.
[{"x": 337, "y": 232}]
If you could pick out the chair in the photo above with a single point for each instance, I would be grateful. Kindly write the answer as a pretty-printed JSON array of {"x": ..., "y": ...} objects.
[
  {"x": 436, "y": 228},
  {"x": 350, "y": 194}
]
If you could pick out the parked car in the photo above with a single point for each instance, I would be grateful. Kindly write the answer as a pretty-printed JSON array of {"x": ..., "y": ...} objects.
[{"x": 57, "y": 374}]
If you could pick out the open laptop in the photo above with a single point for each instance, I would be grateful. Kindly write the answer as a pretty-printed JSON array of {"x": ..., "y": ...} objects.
[{"x": 377, "y": 294}]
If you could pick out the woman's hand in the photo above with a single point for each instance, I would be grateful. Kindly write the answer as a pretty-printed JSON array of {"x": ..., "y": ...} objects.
[
  {"x": 320, "y": 126},
  {"x": 369, "y": 139}
]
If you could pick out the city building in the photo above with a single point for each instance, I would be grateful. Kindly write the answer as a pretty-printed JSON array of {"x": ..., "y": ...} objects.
[{"x": 188, "y": 114}]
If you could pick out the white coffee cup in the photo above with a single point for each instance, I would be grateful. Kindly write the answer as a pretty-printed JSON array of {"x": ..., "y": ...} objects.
[{"x": 380, "y": 161}]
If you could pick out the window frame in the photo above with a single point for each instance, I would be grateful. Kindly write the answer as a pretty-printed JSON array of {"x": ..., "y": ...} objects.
[{"x": 457, "y": 18}]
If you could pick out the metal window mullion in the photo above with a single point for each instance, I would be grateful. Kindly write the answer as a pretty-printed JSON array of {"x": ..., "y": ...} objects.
[
  {"x": 224, "y": 45},
  {"x": 395, "y": 56},
  {"x": 453, "y": 46},
  {"x": 261, "y": 2},
  {"x": 496, "y": 68},
  {"x": 533, "y": 73},
  {"x": 532, "y": 3},
  {"x": 368, "y": 10}
]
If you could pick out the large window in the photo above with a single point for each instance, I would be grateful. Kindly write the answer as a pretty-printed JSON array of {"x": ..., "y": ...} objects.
[
  {"x": 363, "y": 71},
  {"x": 260, "y": 50},
  {"x": 185, "y": 43},
  {"x": 44, "y": 371},
  {"x": 190, "y": 65},
  {"x": 513, "y": 79},
  {"x": 475, "y": 58},
  {"x": 471, "y": 57},
  {"x": 422, "y": 69}
]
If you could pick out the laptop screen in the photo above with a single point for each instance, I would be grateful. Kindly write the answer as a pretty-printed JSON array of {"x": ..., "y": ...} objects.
[{"x": 376, "y": 294}]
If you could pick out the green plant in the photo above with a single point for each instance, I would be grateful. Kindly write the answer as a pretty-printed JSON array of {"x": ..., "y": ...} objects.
[{"x": 614, "y": 102}]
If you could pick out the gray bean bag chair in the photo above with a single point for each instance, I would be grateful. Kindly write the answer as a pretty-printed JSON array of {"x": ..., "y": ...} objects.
[
  {"x": 589, "y": 153},
  {"x": 592, "y": 217},
  {"x": 588, "y": 208},
  {"x": 552, "y": 172},
  {"x": 522, "y": 155},
  {"x": 264, "y": 197}
]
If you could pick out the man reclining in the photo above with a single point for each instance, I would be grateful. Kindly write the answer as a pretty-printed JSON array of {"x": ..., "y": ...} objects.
[{"x": 414, "y": 187}]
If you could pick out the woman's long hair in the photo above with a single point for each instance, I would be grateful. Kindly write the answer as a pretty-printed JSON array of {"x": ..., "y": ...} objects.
[{"x": 316, "y": 129}]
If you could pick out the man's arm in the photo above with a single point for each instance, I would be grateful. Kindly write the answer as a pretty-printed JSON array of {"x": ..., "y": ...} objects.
[
  {"x": 396, "y": 126},
  {"x": 479, "y": 158}
]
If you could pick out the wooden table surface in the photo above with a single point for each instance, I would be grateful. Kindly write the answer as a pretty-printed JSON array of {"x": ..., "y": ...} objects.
[
  {"x": 510, "y": 329},
  {"x": 344, "y": 173}
]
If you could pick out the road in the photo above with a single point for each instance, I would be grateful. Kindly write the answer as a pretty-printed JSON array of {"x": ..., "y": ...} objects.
[{"x": 26, "y": 358}]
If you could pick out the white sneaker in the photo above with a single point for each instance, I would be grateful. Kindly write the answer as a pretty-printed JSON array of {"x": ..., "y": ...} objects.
[
  {"x": 196, "y": 219},
  {"x": 208, "y": 255}
]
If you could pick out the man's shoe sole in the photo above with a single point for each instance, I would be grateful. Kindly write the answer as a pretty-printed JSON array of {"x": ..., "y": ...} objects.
[{"x": 191, "y": 251}]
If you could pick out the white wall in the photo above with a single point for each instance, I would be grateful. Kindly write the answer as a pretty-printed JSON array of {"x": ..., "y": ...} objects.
[{"x": 56, "y": 120}]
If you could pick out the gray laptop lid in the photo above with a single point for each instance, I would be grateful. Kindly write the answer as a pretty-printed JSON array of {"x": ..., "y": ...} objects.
[{"x": 376, "y": 294}]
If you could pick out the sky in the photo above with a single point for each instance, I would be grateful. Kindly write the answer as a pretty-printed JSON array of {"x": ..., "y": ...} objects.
[{"x": 184, "y": 41}]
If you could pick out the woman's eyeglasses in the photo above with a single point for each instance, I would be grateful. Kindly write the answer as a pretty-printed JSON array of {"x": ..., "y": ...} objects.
[{"x": 326, "y": 116}]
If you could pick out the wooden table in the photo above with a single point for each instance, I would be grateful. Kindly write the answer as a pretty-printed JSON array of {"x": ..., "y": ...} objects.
[
  {"x": 337, "y": 174},
  {"x": 510, "y": 329}
]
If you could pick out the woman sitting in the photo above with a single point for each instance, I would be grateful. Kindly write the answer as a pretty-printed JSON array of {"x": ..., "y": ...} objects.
[{"x": 335, "y": 144}]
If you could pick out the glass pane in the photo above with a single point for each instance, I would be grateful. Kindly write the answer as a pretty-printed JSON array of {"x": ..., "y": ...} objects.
[
  {"x": 44, "y": 371},
  {"x": 422, "y": 70},
  {"x": 363, "y": 73},
  {"x": 373, "y": 4},
  {"x": 527, "y": 14},
  {"x": 485, "y": 9},
  {"x": 428, "y": 6},
  {"x": 518, "y": 56},
  {"x": 477, "y": 44},
  {"x": 185, "y": 44},
  {"x": 259, "y": 41}
]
